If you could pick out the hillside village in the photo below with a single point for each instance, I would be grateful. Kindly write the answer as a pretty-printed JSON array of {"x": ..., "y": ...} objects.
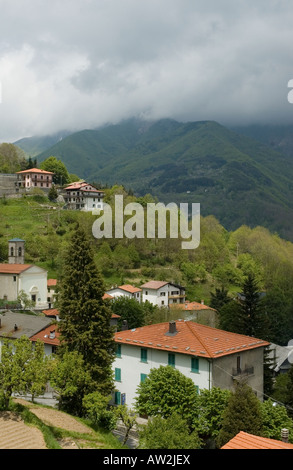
[{"x": 189, "y": 341}]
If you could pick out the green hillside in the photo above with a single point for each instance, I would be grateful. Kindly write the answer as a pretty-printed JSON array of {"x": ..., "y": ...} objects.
[{"x": 234, "y": 177}]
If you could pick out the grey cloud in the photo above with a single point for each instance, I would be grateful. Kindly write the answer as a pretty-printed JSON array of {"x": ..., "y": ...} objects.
[{"x": 80, "y": 63}]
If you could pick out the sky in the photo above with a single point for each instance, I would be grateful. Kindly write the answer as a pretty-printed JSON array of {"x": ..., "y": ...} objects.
[{"x": 77, "y": 64}]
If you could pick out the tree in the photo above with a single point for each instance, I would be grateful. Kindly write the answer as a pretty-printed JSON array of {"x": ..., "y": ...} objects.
[
  {"x": 61, "y": 175},
  {"x": 168, "y": 433},
  {"x": 219, "y": 298},
  {"x": 38, "y": 370},
  {"x": 128, "y": 418},
  {"x": 52, "y": 194},
  {"x": 243, "y": 413},
  {"x": 247, "y": 315},
  {"x": 23, "y": 368},
  {"x": 14, "y": 355},
  {"x": 85, "y": 316},
  {"x": 72, "y": 381},
  {"x": 211, "y": 405},
  {"x": 275, "y": 418},
  {"x": 129, "y": 310},
  {"x": 253, "y": 320},
  {"x": 165, "y": 391},
  {"x": 25, "y": 301},
  {"x": 96, "y": 407}
]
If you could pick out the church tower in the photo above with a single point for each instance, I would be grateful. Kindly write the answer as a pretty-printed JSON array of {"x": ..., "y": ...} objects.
[{"x": 16, "y": 251}]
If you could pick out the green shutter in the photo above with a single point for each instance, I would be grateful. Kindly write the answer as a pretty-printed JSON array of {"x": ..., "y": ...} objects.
[
  {"x": 143, "y": 377},
  {"x": 118, "y": 375},
  {"x": 144, "y": 355},
  {"x": 118, "y": 350},
  {"x": 194, "y": 364},
  {"x": 171, "y": 359},
  {"x": 117, "y": 398}
]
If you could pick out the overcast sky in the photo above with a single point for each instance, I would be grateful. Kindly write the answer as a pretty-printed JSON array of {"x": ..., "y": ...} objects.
[{"x": 75, "y": 64}]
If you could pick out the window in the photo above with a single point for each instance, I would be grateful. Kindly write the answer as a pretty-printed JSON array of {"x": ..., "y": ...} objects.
[
  {"x": 146, "y": 292},
  {"x": 144, "y": 355},
  {"x": 11, "y": 251},
  {"x": 19, "y": 251},
  {"x": 238, "y": 364},
  {"x": 171, "y": 359},
  {"x": 118, "y": 375},
  {"x": 194, "y": 364},
  {"x": 14, "y": 278},
  {"x": 118, "y": 350},
  {"x": 117, "y": 398},
  {"x": 162, "y": 293},
  {"x": 143, "y": 377}
]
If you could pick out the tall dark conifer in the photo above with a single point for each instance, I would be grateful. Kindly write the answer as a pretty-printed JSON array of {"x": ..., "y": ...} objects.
[
  {"x": 253, "y": 320},
  {"x": 85, "y": 317}
]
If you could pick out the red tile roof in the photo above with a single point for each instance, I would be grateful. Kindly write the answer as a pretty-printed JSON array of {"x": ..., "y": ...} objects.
[
  {"x": 6, "y": 268},
  {"x": 154, "y": 284},
  {"x": 107, "y": 296},
  {"x": 191, "y": 338},
  {"x": 51, "y": 312},
  {"x": 51, "y": 282},
  {"x": 129, "y": 288},
  {"x": 80, "y": 186},
  {"x": 36, "y": 170},
  {"x": 54, "y": 312},
  {"x": 49, "y": 335},
  {"x": 243, "y": 440},
  {"x": 191, "y": 306}
]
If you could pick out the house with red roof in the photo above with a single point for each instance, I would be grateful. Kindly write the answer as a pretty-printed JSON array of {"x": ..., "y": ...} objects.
[
  {"x": 51, "y": 292},
  {"x": 196, "y": 311},
  {"x": 83, "y": 196},
  {"x": 244, "y": 440},
  {"x": 162, "y": 293},
  {"x": 16, "y": 277},
  {"x": 35, "y": 178},
  {"x": 209, "y": 356},
  {"x": 126, "y": 290}
]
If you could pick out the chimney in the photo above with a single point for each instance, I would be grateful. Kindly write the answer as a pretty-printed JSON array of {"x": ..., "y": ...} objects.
[
  {"x": 52, "y": 334},
  {"x": 285, "y": 435},
  {"x": 124, "y": 325},
  {"x": 15, "y": 327},
  {"x": 202, "y": 302},
  {"x": 172, "y": 327}
]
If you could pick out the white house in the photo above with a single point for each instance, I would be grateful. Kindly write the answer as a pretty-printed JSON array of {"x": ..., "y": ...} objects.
[
  {"x": 210, "y": 357},
  {"x": 83, "y": 196},
  {"x": 125, "y": 290},
  {"x": 35, "y": 178},
  {"x": 162, "y": 293},
  {"x": 16, "y": 276}
]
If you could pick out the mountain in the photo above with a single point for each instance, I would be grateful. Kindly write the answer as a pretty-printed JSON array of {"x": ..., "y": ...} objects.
[
  {"x": 32, "y": 146},
  {"x": 234, "y": 177},
  {"x": 278, "y": 137}
]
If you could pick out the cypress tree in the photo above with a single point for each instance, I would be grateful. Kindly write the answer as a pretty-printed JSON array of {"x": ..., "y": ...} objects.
[
  {"x": 85, "y": 316},
  {"x": 243, "y": 413}
]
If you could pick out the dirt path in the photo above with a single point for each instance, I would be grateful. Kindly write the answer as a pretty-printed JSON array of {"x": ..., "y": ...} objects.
[{"x": 15, "y": 434}]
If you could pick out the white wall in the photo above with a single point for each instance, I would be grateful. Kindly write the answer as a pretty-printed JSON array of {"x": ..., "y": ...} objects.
[
  {"x": 156, "y": 296},
  {"x": 34, "y": 281},
  {"x": 131, "y": 368}
]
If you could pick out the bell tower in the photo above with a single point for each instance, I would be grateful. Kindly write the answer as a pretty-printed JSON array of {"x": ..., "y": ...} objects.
[{"x": 16, "y": 251}]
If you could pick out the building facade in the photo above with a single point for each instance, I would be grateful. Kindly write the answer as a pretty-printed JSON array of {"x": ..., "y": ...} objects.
[
  {"x": 83, "y": 196},
  {"x": 208, "y": 356},
  {"x": 162, "y": 293},
  {"x": 35, "y": 178}
]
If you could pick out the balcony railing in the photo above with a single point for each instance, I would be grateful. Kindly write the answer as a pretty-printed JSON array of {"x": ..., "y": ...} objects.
[{"x": 236, "y": 372}]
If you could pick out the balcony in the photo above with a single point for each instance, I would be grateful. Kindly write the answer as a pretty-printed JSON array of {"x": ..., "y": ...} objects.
[{"x": 239, "y": 372}]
